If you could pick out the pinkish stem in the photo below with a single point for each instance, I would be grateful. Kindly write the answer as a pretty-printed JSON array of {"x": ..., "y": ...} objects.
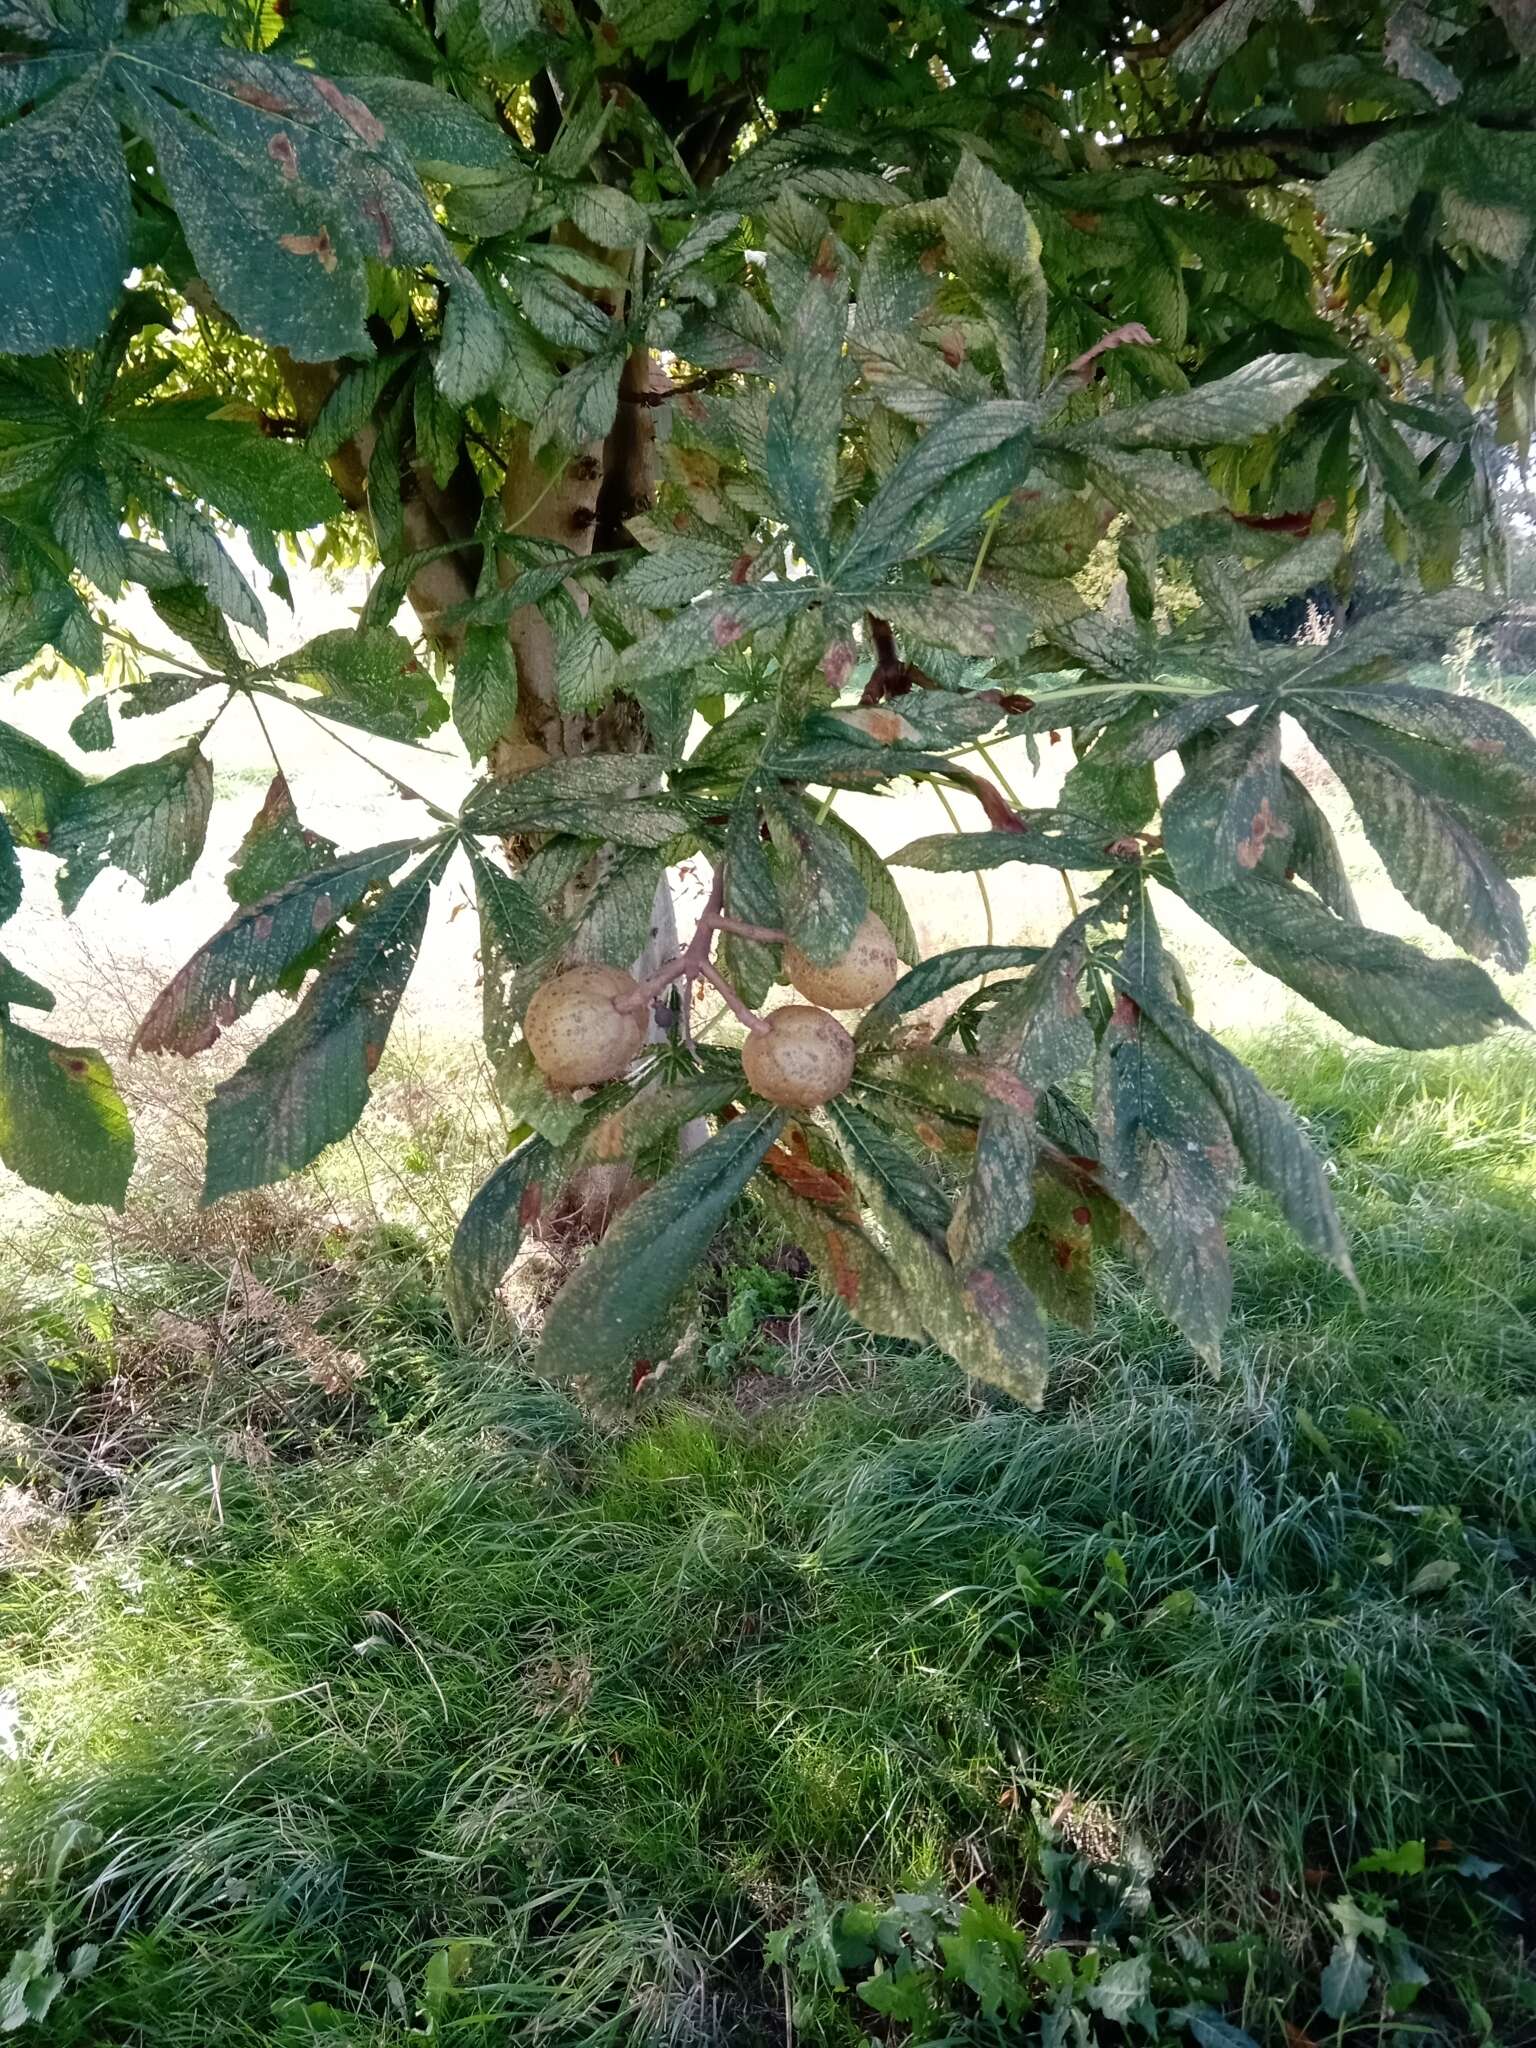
[{"x": 693, "y": 963}]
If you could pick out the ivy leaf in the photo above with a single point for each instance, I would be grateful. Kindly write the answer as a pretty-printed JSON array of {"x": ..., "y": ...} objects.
[
  {"x": 823, "y": 897},
  {"x": 626, "y": 1283},
  {"x": 259, "y": 945},
  {"x": 276, "y": 849},
  {"x": 491, "y": 1229},
  {"x": 150, "y": 820},
  {"x": 307, "y": 1085},
  {"x": 484, "y": 688},
  {"x": 63, "y": 1127},
  {"x": 806, "y": 409},
  {"x": 91, "y": 728}
]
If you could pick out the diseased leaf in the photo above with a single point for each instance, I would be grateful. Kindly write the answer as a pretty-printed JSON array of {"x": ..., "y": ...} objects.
[
  {"x": 1036, "y": 1037},
  {"x": 1059, "y": 844},
  {"x": 823, "y": 897},
  {"x": 484, "y": 688},
  {"x": 368, "y": 678},
  {"x": 65, "y": 215},
  {"x": 307, "y": 1085},
  {"x": 36, "y": 786},
  {"x": 985, "y": 1319},
  {"x": 492, "y": 1227},
  {"x": 995, "y": 250},
  {"x": 850, "y": 1264},
  {"x": 1440, "y": 865},
  {"x": 253, "y": 952},
  {"x": 805, "y": 411},
  {"x": 20, "y": 991},
  {"x": 1168, "y": 1158},
  {"x": 1222, "y": 413},
  {"x": 885, "y": 899},
  {"x": 934, "y": 977},
  {"x": 150, "y": 820},
  {"x": 940, "y": 488},
  {"x": 63, "y": 1127},
  {"x": 626, "y": 1283},
  {"x": 277, "y": 849},
  {"x": 1370, "y": 982},
  {"x": 1229, "y": 811},
  {"x": 10, "y": 872}
]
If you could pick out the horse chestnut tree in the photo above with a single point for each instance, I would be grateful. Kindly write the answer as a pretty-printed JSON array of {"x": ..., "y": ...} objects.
[{"x": 718, "y": 466}]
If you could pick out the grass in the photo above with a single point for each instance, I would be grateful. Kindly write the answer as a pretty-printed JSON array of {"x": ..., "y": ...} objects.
[{"x": 417, "y": 1702}]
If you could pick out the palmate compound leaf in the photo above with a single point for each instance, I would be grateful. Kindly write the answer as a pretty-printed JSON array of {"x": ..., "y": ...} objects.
[
  {"x": 624, "y": 1285},
  {"x": 491, "y": 1229},
  {"x": 63, "y": 1127},
  {"x": 307, "y": 1085},
  {"x": 150, "y": 820},
  {"x": 369, "y": 678},
  {"x": 1036, "y": 1037},
  {"x": 1222, "y": 413},
  {"x": 286, "y": 186},
  {"x": 251, "y": 954},
  {"x": 984, "y": 1319}
]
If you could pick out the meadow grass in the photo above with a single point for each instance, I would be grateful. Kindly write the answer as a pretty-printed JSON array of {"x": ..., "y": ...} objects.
[{"x": 421, "y": 1702}]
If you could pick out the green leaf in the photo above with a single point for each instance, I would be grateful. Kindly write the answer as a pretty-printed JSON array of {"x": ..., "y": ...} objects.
[
  {"x": 277, "y": 849},
  {"x": 491, "y": 1229},
  {"x": 20, "y": 991},
  {"x": 979, "y": 624},
  {"x": 36, "y": 786},
  {"x": 1210, "y": 2030},
  {"x": 1222, "y": 413},
  {"x": 677, "y": 575},
  {"x": 253, "y": 952},
  {"x": 1314, "y": 851},
  {"x": 822, "y": 894},
  {"x": 581, "y": 406},
  {"x": 231, "y": 464},
  {"x": 1404, "y": 1859},
  {"x": 307, "y": 1085},
  {"x": 1439, "y": 864},
  {"x": 995, "y": 251},
  {"x": 513, "y": 924},
  {"x": 369, "y": 678},
  {"x": 1380, "y": 182},
  {"x": 984, "y": 1319},
  {"x": 1228, "y": 813},
  {"x": 91, "y": 728},
  {"x": 933, "y": 978},
  {"x": 1368, "y": 981},
  {"x": 150, "y": 820},
  {"x": 1121, "y": 1989},
  {"x": 1220, "y": 35},
  {"x": 63, "y": 1126},
  {"x": 625, "y": 1284},
  {"x": 1037, "y": 1036},
  {"x": 805, "y": 412},
  {"x": 1346, "y": 1980},
  {"x": 484, "y": 688},
  {"x": 352, "y": 404},
  {"x": 1153, "y": 488}
]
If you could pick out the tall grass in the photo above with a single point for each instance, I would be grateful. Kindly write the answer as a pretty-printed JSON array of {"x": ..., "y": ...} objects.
[{"x": 436, "y": 1705}]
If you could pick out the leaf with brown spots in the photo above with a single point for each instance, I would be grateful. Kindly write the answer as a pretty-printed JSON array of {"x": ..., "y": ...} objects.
[
  {"x": 849, "y": 1262},
  {"x": 307, "y": 1085},
  {"x": 492, "y": 1228},
  {"x": 63, "y": 1126},
  {"x": 254, "y": 951}
]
